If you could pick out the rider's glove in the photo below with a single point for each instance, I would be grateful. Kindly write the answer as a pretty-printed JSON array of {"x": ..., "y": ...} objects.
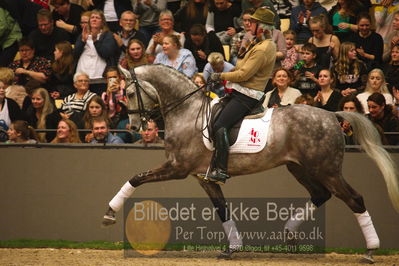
[{"x": 215, "y": 77}]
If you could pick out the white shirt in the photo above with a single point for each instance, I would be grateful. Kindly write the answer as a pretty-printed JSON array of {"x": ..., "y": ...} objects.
[
  {"x": 4, "y": 114},
  {"x": 90, "y": 62},
  {"x": 109, "y": 11}
]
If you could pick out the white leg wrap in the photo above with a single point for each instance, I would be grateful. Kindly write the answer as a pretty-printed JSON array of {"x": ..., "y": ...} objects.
[
  {"x": 235, "y": 241},
  {"x": 298, "y": 217},
  {"x": 368, "y": 230},
  {"x": 117, "y": 202}
]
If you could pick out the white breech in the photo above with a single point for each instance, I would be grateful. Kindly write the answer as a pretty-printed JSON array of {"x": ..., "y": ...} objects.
[
  {"x": 368, "y": 230},
  {"x": 125, "y": 192},
  {"x": 235, "y": 241}
]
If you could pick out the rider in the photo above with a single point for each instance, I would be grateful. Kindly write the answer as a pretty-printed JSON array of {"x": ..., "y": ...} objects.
[{"x": 247, "y": 80}]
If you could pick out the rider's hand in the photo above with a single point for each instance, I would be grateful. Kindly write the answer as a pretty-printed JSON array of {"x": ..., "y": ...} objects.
[{"x": 215, "y": 77}]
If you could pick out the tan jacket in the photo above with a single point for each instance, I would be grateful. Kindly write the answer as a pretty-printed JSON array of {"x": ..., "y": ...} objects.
[{"x": 255, "y": 69}]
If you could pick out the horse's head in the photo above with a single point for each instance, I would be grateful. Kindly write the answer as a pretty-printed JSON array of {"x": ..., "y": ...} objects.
[{"x": 142, "y": 99}]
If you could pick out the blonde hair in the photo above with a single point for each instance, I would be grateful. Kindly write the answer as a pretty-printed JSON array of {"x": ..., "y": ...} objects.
[
  {"x": 383, "y": 88},
  {"x": 104, "y": 27},
  {"x": 344, "y": 64},
  {"x": 324, "y": 24},
  {"x": 215, "y": 58},
  {"x": 47, "y": 109},
  {"x": 73, "y": 136},
  {"x": 6, "y": 75}
]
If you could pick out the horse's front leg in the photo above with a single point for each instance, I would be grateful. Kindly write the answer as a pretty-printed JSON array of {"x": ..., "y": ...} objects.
[{"x": 166, "y": 172}]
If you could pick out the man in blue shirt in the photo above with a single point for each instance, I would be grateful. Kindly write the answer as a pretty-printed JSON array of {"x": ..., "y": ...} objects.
[{"x": 100, "y": 129}]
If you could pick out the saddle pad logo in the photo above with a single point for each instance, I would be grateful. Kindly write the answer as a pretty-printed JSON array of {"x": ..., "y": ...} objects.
[{"x": 254, "y": 139}]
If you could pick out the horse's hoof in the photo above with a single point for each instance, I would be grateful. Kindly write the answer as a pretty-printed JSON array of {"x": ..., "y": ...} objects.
[
  {"x": 368, "y": 257},
  {"x": 225, "y": 255},
  {"x": 109, "y": 218}
]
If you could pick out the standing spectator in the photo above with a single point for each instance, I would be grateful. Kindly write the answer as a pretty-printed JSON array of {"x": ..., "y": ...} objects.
[
  {"x": 222, "y": 19},
  {"x": 300, "y": 17},
  {"x": 148, "y": 12},
  {"x": 381, "y": 114},
  {"x": 134, "y": 55},
  {"x": 375, "y": 83},
  {"x": 292, "y": 54},
  {"x": 282, "y": 94},
  {"x": 351, "y": 72},
  {"x": 194, "y": 12},
  {"x": 47, "y": 36},
  {"x": 112, "y": 10},
  {"x": 327, "y": 43},
  {"x": 31, "y": 71},
  {"x": 10, "y": 34},
  {"x": 21, "y": 132},
  {"x": 166, "y": 24},
  {"x": 391, "y": 70},
  {"x": 245, "y": 4},
  {"x": 202, "y": 44},
  {"x": 216, "y": 64},
  {"x": 128, "y": 31},
  {"x": 42, "y": 114},
  {"x": 384, "y": 13},
  {"x": 67, "y": 16},
  {"x": 306, "y": 75},
  {"x": 392, "y": 37},
  {"x": 61, "y": 79},
  {"x": 327, "y": 98},
  {"x": 150, "y": 135},
  {"x": 77, "y": 102},
  {"x": 101, "y": 134},
  {"x": 67, "y": 132},
  {"x": 175, "y": 56},
  {"x": 96, "y": 49},
  {"x": 369, "y": 44},
  {"x": 9, "y": 109},
  {"x": 242, "y": 36}
]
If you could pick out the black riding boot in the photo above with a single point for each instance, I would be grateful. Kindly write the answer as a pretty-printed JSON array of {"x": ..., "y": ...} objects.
[{"x": 218, "y": 172}]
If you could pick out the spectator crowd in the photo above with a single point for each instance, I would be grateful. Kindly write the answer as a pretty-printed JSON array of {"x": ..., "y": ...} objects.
[{"x": 59, "y": 58}]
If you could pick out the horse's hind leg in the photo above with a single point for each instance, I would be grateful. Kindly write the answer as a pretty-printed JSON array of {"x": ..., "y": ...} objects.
[
  {"x": 342, "y": 190},
  {"x": 219, "y": 202},
  {"x": 166, "y": 172}
]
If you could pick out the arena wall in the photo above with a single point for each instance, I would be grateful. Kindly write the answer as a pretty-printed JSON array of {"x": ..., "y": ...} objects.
[{"x": 62, "y": 193}]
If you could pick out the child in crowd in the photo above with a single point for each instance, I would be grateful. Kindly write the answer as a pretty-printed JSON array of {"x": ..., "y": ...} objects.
[
  {"x": 307, "y": 73},
  {"x": 292, "y": 54}
]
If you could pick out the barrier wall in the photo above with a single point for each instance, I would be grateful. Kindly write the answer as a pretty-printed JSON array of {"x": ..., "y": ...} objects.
[{"x": 62, "y": 193}]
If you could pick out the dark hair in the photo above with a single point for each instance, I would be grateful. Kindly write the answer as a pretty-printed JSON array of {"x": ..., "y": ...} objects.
[
  {"x": 26, "y": 42},
  {"x": 289, "y": 74},
  {"x": 198, "y": 29},
  {"x": 27, "y": 132},
  {"x": 111, "y": 69},
  {"x": 378, "y": 98},
  {"x": 249, "y": 11},
  {"x": 350, "y": 98},
  {"x": 58, "y": 2},
  {"x": 363, "y": 15},
  {"x": 98, "y": 120},
  {"x": 310, "y": 47},
  {"x": 104, "y": 114},
  {"x": 332, "y": 76}
]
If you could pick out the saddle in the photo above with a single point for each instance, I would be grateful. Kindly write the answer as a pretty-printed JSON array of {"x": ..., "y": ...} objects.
[{"x": 257, "y": 112}]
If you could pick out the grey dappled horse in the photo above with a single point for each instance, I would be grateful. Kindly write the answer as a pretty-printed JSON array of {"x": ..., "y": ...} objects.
[{"x": 307, "y": 139}]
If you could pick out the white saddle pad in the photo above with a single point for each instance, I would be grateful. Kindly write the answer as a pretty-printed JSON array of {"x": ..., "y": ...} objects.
[{"x": 252, "y": 136}]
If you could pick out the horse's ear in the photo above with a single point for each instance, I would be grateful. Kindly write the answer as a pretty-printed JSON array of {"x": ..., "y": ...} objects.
[{"x": 125, "y": 72}]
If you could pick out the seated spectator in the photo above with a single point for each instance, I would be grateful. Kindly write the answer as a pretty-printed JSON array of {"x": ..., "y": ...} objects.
[
  {"x": 306, "y": 75},
  {"x": 115, "y": 96},
  {"x": 375, "y": 83},
  {"x": 95, "y": 109},
  {"x": 101, "y": 134},
  {"x": 240, "y": 37},
  {"x": 112, "y": 10},
  {"x": 67, "y": 132},
  {"x": 9, "y": 109},
  {"x": 77, "y": 102},
  {"x": 202, "y": 44},
  {"x": 392, "y": 38},
  {"x": 150, "y": 135},
  {"x": 95, "y": 49},
  {"x": 199, "y": 80},
  {"x": 42, "y": 114},
  {"x": 391, "y": 69},
  {"x": 292, "y": 54},
  {"x": 61, "y": 79},
  {"x": 216, "y": 64},
  {"x": 327, "y": 98},
  {"x": 327, "y": 44},
  {"x": 67, "y": 16},
  {"x": 128, "y": 32},
  {"x": 222, "y": 19},
  {"x": 369, "y": 44},
  {"x": 381, "y": 114},
  {"x": 10, "y": 34},
  {"x": 31, "y": 71},
  {"x": 299, "y": 21},
  {"x": 175, "y": 56},
  {"x": 47, "y": 36},
  {"x": 282, "y": 94},
  {"x": 21, "y": 132},
  {"x": 134, "y": 55},
  {"x": 305, "y": 99},
  {"x": 166, "y": 24},
  {"x": 351, "y": 72},
  {"x": 245, "y": 4},
  {"x": 148, "y": 12},
  {"x": 14, "y": 92},
  {"x": 193, "y": 12},
  {"x": 342, "y": 17},
  {"x": 349, "y": 104}
]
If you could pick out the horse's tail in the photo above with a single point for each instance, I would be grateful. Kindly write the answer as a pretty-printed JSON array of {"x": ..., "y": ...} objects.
[{"x": 368, "y": 137}]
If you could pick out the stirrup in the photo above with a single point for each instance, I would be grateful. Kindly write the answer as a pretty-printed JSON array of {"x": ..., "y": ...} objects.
[{"x": 218, "y": 176}]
